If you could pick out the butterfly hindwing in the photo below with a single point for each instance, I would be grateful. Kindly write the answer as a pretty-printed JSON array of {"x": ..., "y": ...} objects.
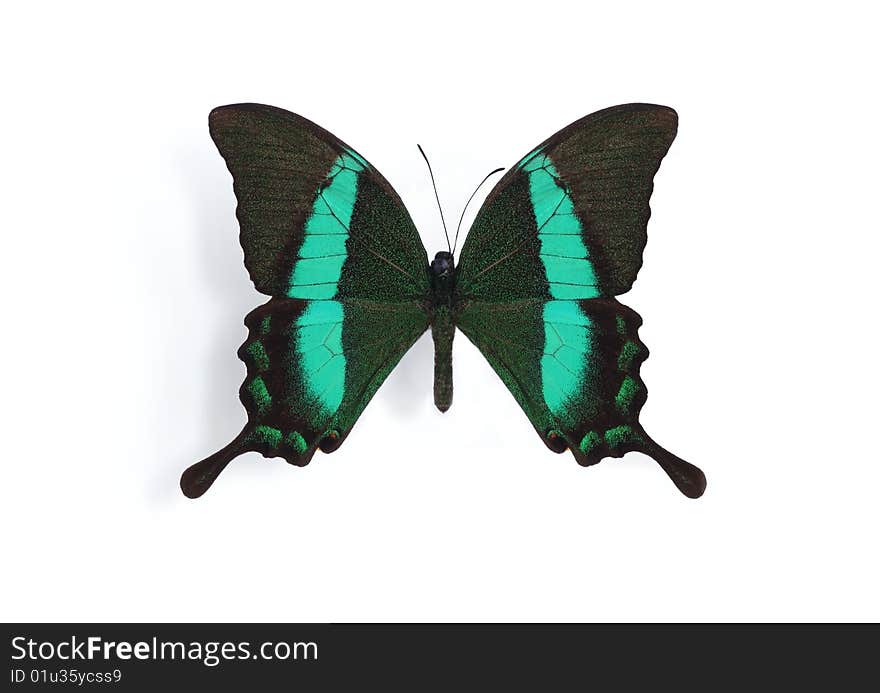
[
  {"x": 327, "y": 237},
  {"x": 558, "y": 237},
  {"x": 312, "y": 366}
]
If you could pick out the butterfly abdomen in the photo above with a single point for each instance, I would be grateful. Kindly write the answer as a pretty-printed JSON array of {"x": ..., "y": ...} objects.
[{"x": 443, "y": 331}]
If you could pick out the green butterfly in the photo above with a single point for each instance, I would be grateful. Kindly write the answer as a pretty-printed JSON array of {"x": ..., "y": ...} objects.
[{"x": 327, "y": 237}]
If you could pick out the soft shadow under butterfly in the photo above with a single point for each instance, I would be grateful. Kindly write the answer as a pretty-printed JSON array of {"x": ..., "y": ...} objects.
[{"x": 327, "y": 237}]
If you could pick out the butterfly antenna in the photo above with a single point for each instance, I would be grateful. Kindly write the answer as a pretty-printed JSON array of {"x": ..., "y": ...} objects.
[
  {"x": 461, "y": 218},
  {"x": 439, "y": 206}
]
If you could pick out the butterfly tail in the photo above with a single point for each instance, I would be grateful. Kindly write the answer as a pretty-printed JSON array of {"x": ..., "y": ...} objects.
[
  {"x": 688, "y": 478},
  {"x": 199, "y": 477}
]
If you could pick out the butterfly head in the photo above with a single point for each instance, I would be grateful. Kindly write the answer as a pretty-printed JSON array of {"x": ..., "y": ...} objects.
[{"x": 443, "y": 265}]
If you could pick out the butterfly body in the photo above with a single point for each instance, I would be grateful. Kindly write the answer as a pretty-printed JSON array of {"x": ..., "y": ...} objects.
[
  {"x": 442, "y": 270},
  {"x": 351, "y": 286}
]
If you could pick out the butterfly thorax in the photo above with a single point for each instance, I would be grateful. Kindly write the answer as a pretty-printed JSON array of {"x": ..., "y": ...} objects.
[
  {"x": 442, "y": 278},
  {"x": 442, "y": 272}
]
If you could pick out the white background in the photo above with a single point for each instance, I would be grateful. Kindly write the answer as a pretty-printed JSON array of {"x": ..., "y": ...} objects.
[{"x": 123, "y": 295}]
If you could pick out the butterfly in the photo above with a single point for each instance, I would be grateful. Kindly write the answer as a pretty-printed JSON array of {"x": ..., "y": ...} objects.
[{"x": 329, "y": 240}]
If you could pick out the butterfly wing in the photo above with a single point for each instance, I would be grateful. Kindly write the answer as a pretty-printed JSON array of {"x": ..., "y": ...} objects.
[
  {"x": 560, "y": 235},
  {"x": 329, "y": 239}
]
